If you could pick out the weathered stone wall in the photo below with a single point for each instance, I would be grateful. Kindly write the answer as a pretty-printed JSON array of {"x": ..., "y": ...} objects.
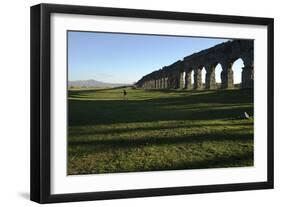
[{"x": 171, "y": 77}]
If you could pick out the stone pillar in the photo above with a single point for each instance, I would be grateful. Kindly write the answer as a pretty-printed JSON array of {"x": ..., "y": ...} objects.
[
  {"x": 227, "y": 75},
  {"x": 173, "y": 82},
  {"x": 198, "y": 78},
  {"x": 188, "y": 84},
  {"x": 170, "y": 82},
  {"x": 181, "y": 82},
  {"x": 210, "y": 81},
  {"x": 247, "y": 77},
  {"x": 248, "y": 71},
  {"x": 177, "y": 81}
]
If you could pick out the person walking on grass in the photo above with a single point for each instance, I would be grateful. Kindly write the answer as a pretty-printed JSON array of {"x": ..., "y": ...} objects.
[{"x": 125, "y": 95}]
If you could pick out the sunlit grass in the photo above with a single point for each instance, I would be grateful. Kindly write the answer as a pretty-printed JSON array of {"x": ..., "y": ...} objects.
[{"x": 158, "y": 130}]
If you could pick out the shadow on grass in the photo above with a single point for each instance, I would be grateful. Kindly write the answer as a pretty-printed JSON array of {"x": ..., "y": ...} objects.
[
  {"x": 93, "y": 131},
  {"x": 237, "y": 160},
  {"x": 204, "y": 96},
  {"x": 202, "y": 106},
  {"x": 105, "y": 144},
  {"x": 112, "y": 113},
  {"x": 88, "y": 138},
  {"x": 245, "y": 159},
  {"x": 77, "y": 92}
]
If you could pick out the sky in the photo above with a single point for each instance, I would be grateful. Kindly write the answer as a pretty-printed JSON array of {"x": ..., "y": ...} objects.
[{"x": 125, "y": 58}]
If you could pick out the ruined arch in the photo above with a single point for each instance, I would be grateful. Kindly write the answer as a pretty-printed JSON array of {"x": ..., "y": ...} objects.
[
  {"x": 218, "y": 70},
  {"x": 183, "y": 78},
  {"x": 203, "y": 74},
  {"x": 210, "y": 82},
  {"x": 178, "y": 74},
  {"x": 192, "y": 78},
  {"x": 237, "y": 67}
]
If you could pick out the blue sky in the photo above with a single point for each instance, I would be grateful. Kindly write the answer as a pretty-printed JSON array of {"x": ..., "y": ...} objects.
[{"x": 125, "y": 58}]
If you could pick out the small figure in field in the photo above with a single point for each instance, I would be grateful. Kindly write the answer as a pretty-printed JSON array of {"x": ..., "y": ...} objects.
[{"x": 125, "y": 95}]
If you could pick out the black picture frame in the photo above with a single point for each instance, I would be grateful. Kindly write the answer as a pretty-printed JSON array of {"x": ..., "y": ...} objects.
[{"x": 41, "y": 96}]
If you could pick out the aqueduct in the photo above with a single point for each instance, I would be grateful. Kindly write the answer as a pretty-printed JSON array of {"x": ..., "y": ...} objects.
[{"x": 178, "y": 74}]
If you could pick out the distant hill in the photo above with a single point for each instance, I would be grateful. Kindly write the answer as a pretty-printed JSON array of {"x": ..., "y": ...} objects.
[{"x": 94, "y": 83}]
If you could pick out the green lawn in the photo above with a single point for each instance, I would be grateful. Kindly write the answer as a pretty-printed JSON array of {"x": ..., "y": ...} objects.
[{"x": 158, "y": 130}]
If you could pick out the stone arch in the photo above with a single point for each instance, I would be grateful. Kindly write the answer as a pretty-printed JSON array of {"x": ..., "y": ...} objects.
[
  {"x": 210, "y": 80},
  {"x": 170, "y": 81},
  {"x": 218, "y": 70},
  {"x": 224, "y": 54},
  {"x": 173, "y": 81},
  {"x": 179, "y": 79},
  {"x": 237, "y": 67},
  {"x": 183, "y": 79},
  {"x": 192, "y": 78},
  {"x": 204, "y": 76}
]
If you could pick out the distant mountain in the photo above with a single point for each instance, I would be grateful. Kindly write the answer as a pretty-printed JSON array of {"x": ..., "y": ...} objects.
[{"x": 94, "y": 83}]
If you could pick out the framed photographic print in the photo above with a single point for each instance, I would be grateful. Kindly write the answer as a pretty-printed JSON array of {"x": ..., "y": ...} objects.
[{"x": 133, "y": 103}]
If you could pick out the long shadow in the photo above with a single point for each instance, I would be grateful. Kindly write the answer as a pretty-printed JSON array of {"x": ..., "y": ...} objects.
[
  {"x": 245, "y": 159},
  {"x": 77, "y": 92},
  {"x": 233, "y": 96},
  {"x": 102, "y": 114},
  {"x": 201, "y": 106},
  {"x": 121, "y": 130},
  {"x": 105, "y": 144},
  {"x": 237, "y": 160}
]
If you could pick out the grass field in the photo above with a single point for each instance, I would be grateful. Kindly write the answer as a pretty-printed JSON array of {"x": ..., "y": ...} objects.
[{"x": 158, "y": 130}]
